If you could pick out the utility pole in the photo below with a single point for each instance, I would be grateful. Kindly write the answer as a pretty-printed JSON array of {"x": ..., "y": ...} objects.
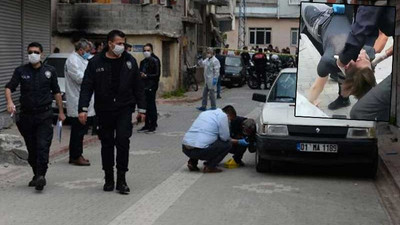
[{"x": 242, "y": 24}]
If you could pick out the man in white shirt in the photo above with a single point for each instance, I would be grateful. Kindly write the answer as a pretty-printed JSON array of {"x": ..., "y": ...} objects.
[
  {"x": 207, "y": 139},
  {"x": 75, "y": 67}
]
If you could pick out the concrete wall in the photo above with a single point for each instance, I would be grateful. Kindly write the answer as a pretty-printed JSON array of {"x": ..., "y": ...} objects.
[
  {"x": 131, "y": 18},
  {"x": 288, "y": 11},
  {"x": 280, "y": 31}
]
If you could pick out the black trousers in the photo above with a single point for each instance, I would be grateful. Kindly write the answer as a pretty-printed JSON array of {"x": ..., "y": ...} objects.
[
  {"x": 260, "y": 76},
  {"x": 115, "y": 129},
  {"x": 78, "y": 131},
  {"x": 238, "y": 152},
  {"x": 151, "y": 110},
  {"x": 37, "y": 131},
  {"x": 213, "y": 154}
]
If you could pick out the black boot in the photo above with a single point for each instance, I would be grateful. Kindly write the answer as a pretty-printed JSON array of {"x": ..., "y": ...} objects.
[
  {"x": 109, "y": 181},
  {"x": 40, "y": 182},
  {"x": 32, "y": 183},
  {"x": 340, "y": 102},
  {"x": 122, "y": 187}
]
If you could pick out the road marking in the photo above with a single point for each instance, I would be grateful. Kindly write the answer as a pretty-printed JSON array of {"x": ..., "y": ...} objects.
[
  {"x": 81, "y": 184},
  {"x": 152, "y": 205},
  {"x": 266, "y": 188}
]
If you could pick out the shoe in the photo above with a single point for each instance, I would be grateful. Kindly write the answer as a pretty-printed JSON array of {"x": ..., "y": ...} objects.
[
  {"x": 239, "y": 162},
  {"x": 211, "y": 170},
  {"x": 340, "y": 102},
  {"x": 122, "y": 187},
  {"x": 202, "y": 108},
  {"x": 144, "y": 129},
  {"x": 192, "y": 167},
  {"x": 80, "y": 161},
  {"x": 151, "y": 131},
  {"x": 109, "y": 181},
  {"x": 32, "y": 183},
  {"x": 218, "y": 96},
  {"x": 40, "y": 183}
]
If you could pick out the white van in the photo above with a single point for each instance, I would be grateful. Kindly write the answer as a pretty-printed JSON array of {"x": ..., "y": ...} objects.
[{"x": 283, "y": 137}]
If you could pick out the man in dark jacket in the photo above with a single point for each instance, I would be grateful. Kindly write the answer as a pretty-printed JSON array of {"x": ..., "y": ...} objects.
[
  {"x": 113, "y": 76},
  {"x": 150, "y": 73},
  {"x": 260, "y": 63},
  {"x": 221, "y": 59}
]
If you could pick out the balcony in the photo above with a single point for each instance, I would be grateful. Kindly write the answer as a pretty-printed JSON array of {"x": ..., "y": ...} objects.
[{"x": 133, "y": 19}]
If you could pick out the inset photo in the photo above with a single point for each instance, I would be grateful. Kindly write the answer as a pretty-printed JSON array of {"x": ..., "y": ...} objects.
[{"x": 345, "y": 61}]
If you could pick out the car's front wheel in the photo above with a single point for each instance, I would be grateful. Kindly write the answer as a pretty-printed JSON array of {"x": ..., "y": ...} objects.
[{"x": 262, "y": 165}]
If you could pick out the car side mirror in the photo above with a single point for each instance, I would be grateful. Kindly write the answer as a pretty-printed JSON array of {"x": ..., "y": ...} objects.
[{"x": 259, "y": 97}]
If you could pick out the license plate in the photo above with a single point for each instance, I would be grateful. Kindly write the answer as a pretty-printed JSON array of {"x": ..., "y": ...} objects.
[{"x": 314, "y": 147}]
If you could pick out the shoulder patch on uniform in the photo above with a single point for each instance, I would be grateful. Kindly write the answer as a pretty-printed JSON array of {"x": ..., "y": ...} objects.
[
  {"x": 129, "y": 64},
  {"x": 47, "y": 74}
]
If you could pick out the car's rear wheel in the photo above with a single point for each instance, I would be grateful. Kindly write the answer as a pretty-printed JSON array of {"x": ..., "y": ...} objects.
[{"x": 262, "y": 165}]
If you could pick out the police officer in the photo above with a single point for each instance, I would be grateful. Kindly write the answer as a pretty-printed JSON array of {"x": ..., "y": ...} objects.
[
  {"x": 113, "y": 76},
  {"x": 38, "y": 85},
  {"x": 260, "y": 63},
  {"x": 150, "y": 73}
]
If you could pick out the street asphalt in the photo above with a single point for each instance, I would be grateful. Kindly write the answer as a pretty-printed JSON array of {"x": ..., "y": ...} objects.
[{"x": 164, "y": 192}]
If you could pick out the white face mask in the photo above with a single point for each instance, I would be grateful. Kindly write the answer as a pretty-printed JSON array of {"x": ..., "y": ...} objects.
[
  {"x": 209, "y": 55},
  {"x": 118, "y": 49},
  {"x": 147, "y": 54},
  {"x": 34, "y": 58}
]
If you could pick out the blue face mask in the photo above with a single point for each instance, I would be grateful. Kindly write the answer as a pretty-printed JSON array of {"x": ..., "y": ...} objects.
[{"x": 86, "y": 55}]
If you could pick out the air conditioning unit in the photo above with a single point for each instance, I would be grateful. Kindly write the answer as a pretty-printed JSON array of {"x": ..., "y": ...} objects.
[{"x": 146, "y": 2}]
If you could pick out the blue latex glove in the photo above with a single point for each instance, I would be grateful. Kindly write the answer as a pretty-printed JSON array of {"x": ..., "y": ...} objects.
[
  {"x": 215, "y": 80},
  {"x": 338, "y": 9},
  {"x": 243, "y": 142}
]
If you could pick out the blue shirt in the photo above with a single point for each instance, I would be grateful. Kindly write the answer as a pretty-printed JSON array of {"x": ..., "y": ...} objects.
[{"x": 207, "y": 128}]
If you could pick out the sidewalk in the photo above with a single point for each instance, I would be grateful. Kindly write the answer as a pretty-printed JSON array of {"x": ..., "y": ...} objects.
[{"x": 189, "y": 97}]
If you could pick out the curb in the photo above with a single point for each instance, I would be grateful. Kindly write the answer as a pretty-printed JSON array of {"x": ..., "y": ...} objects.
[
  {"x": 65, "y": 149},
  {"x": 177, "y": 100}
]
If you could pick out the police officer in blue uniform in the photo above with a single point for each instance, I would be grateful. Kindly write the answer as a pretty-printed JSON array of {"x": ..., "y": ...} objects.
[{"x": 38, "y": 86}]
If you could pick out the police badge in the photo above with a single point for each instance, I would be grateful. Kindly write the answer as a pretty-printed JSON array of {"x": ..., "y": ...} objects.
[
  {"x": 129, "y": 64},
  {"x": 47, "y": 74}
]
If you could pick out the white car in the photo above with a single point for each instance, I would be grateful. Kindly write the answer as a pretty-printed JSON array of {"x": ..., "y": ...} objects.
[
  {"x": 283, "y": 137},
  {"x": 57, "y": 60}
]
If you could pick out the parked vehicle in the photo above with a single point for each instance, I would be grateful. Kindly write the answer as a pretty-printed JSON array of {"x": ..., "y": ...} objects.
[
  {"x": 57, "y": 60},
  {"x": 235, "y": 72},
  {"x": 283, "y": 137},
  {"x": 273, "y": 67}
]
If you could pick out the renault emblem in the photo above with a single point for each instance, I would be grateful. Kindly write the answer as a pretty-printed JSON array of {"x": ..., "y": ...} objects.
[
  {"x": 47, "y": 74},
  {"x": 129, "y": 64},
  {"x": 317, "y": 130}
]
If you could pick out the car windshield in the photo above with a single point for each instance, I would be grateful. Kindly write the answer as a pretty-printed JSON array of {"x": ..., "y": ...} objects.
[
  {"x": 57, "y": 63},
  {"x": 284, "y": 90},
  {"x": 233, "y": 61}
]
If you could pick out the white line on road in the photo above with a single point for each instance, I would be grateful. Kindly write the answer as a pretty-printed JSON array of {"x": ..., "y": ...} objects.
[{"x": 152, "y": 205}]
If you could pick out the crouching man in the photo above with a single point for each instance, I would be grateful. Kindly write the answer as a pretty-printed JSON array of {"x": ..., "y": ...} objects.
[{"x": 207, "y": 139}]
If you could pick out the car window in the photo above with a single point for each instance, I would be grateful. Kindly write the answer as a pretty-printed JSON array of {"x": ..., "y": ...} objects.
[
  {"x": 233, "y": 61},
  {"x": 57, "y": 63},
  {"x": 284, "y": 90}
]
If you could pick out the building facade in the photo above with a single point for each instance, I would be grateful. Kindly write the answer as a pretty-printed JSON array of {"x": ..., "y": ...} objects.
[
  {"x": 175, "y": 28},
  {"x": 274, "y": 22}
]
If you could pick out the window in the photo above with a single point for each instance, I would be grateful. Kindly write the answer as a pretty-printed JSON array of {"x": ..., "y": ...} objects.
[
  {"x": 294, "y": 33},
  {"x": 284, "y": 89},
  {"x": 260, "y": 36}
]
